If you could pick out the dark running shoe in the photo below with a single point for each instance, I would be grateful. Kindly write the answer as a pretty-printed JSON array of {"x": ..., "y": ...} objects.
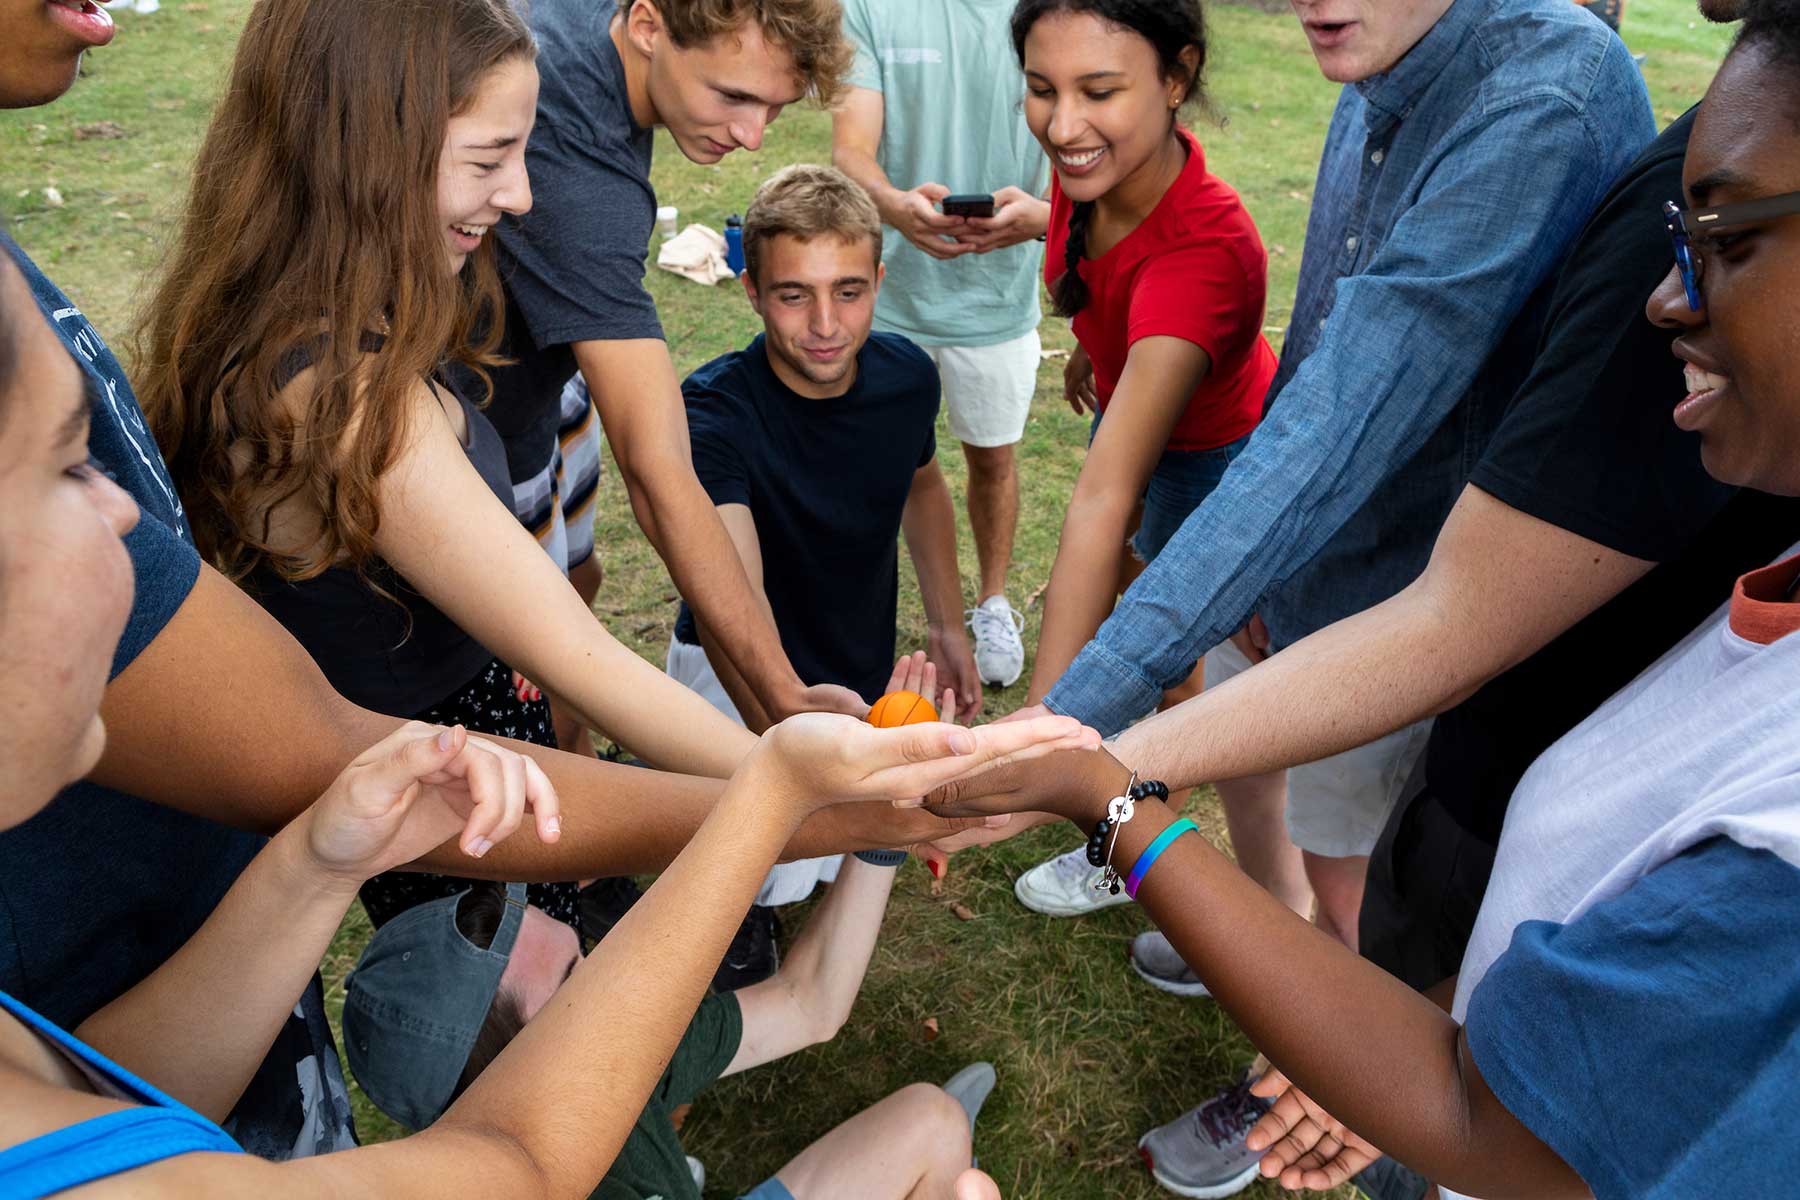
[
  {"x": 603, "y": 902},
  {"x": 752, "y": 956}
]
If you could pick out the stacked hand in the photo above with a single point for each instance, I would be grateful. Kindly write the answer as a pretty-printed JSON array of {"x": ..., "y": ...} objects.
[
  {"x": 1303, "y": 1146},
  {"x": 416, "y": 789}
]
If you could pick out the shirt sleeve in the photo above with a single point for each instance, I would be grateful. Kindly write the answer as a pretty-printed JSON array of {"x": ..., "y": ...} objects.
[
  {"x": 706, "y": 1049},
  {"x": 1651, "y": 1042},
  {"x": 574, "y": 265},
  {"x": 1404, "y": 342},
  {"x": 1196, "y": 293},
  {"x": 164, "y": 568},
  {"x": 859, "y": 30},
  {"x": 715, "y": 436},
  {"x": 1587, "y": 444}
]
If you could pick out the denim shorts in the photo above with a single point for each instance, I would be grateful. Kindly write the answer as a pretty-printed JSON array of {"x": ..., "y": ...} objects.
[{"x": 1181, "y": 480}]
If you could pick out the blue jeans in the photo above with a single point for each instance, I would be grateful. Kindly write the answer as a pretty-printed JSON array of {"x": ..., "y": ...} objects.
[{"x": 1181, "y": 480}]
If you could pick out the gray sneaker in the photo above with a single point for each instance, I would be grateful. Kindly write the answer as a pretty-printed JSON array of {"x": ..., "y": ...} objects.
[
  {"x": 1153, "y": 958},
  {"x": 1201, "y": 1153}
]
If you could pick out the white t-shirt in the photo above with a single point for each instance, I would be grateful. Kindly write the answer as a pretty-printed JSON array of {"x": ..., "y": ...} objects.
[{"x": 1706, "y": 742}]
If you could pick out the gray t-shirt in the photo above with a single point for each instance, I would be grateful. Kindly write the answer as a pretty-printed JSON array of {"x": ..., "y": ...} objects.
[{"x": 573, "y": 265}]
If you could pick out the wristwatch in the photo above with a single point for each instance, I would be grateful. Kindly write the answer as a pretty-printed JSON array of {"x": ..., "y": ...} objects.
[{"x": 882, "y": 858}]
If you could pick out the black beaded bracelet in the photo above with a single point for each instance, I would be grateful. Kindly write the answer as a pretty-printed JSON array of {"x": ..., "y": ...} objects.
[{"x": 1143, "y": 789}]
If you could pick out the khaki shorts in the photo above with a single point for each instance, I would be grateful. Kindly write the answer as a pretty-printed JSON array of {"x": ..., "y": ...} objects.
[
  {"x": 988, "y": 389},
  {"x": 1338, "y": 806}
]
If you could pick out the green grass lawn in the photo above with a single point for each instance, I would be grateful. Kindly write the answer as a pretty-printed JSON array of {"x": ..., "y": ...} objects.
[{"x": 1088, "y": 1056}]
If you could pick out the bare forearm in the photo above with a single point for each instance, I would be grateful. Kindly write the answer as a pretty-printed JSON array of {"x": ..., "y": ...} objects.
[
  {"x": 1340, "y": 688},
  {"x": 743, "y": 696},
  {"x": 1080, "y": 593},
  {"x": 860, "y": 164},
  {"x": 1501, "y": 584},
  {"x": 929, "y": 523},
  {"x": 829, "y": 959},
  {"x": 251, "y": 959},
  {"x": 649, "y": 713},
  {"x": 707, "y": 572}
]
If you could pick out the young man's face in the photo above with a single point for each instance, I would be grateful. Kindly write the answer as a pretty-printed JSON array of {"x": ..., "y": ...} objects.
[
  {"x": 545, "y": 953},
  {"x": 1742, "y": 348},
  {"x": 1354, "y": 39},
  {"x": 716, "y": 97},
  {"x": 817, "y": 301},
  {"x": 44, "y": 43}
]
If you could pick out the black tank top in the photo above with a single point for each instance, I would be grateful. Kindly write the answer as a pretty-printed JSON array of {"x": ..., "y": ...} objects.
[{"x": 395, "y": 658}]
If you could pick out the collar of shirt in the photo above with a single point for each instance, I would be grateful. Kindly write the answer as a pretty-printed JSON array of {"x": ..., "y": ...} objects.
[{"x": 1391, "y": 95}]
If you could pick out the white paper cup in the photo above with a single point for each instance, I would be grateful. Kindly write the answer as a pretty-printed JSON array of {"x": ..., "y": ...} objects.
[{"x": 666, "y": 217}]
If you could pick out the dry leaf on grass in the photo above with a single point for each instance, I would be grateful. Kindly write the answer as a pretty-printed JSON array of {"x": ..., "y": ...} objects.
[
  {"x": 963, "y": 912},
  {"x": 930, "y": 1027}
]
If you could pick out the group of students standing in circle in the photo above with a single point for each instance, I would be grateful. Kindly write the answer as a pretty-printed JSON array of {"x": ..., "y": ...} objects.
[{"x": 282, "y": 581}]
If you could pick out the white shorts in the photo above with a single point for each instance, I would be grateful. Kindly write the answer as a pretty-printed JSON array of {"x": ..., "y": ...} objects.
[
  {"x": 1338, "y": 806},
  {"x": 788, "y": 882},
  {"x": 988, "y": 389}
]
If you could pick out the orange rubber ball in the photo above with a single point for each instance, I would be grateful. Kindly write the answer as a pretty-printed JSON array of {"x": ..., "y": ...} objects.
[{"x": 901, "y": 708}]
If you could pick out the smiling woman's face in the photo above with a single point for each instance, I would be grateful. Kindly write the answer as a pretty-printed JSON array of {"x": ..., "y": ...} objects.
[{"x": 1743, "y": 348}]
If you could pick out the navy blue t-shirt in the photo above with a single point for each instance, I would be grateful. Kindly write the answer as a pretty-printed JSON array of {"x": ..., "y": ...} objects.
[
  {"x": 100, "y": 888},
  {"x": 1654, "y": 1041},
  {"x": 826, "y": 482}
]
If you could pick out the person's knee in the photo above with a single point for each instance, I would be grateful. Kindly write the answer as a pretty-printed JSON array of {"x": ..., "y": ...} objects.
[
  {"x": 989, "y": 464},
  {"x": 937, "y": 1124}
]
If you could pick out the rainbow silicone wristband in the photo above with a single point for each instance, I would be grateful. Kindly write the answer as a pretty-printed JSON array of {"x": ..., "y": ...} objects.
[{"x": 1152, "y": 852}]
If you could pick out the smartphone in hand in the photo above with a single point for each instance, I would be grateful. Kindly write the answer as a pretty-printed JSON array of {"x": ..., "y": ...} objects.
[{"x": 974, "y": 204}]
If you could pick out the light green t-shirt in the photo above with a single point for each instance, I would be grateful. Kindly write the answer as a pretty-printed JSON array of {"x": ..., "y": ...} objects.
[{"x": 953, "y": 114}]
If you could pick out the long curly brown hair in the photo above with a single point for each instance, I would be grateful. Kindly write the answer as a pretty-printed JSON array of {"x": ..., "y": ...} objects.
[{"x": 313, "y": 222}]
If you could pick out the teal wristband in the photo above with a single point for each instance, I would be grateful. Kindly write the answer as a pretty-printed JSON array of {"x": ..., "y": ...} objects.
[{"x": 1152, "y": 852}]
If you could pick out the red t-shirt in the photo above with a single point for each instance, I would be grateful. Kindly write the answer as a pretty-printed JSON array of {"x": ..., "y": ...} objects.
[{"x": 1194, "y": 269}]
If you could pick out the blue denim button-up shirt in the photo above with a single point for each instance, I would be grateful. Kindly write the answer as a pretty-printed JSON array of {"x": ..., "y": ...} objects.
[{"x": 1449, "y": 189}]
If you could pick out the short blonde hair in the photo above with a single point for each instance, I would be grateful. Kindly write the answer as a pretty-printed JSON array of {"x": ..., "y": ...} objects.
[
  {"x": 810, "y": 30},
  {"x": 806, "y": 201}
]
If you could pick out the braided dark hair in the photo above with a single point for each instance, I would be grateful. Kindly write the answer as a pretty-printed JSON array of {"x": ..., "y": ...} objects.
[{"x": 1171, "y": 26}]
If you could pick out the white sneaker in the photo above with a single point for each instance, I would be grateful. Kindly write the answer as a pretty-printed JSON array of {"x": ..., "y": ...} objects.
[
  {"x": 999, "y": 654},
  {"x": 1064, "y": 887}
]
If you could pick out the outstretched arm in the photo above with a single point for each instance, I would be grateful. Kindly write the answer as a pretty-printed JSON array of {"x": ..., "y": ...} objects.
[
  {"x": 1405, "y": 1081},
  {"x": 256, "y": 952},
  {"x": 259, "y": 735},
  {"x": 461, "y": 548},
  {"x": 633, "y": 385},
  {"x": 1160, "y": 375},
  {"x": 549, "y": 1116},
  {"x": 1501, "y": 584}
]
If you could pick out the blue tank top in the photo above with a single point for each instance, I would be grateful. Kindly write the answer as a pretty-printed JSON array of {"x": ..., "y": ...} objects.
[{"x": 110, "y": 1143}]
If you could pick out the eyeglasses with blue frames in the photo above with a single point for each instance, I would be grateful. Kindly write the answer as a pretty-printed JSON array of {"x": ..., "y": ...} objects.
[{"x": 1680, "y": 221}]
